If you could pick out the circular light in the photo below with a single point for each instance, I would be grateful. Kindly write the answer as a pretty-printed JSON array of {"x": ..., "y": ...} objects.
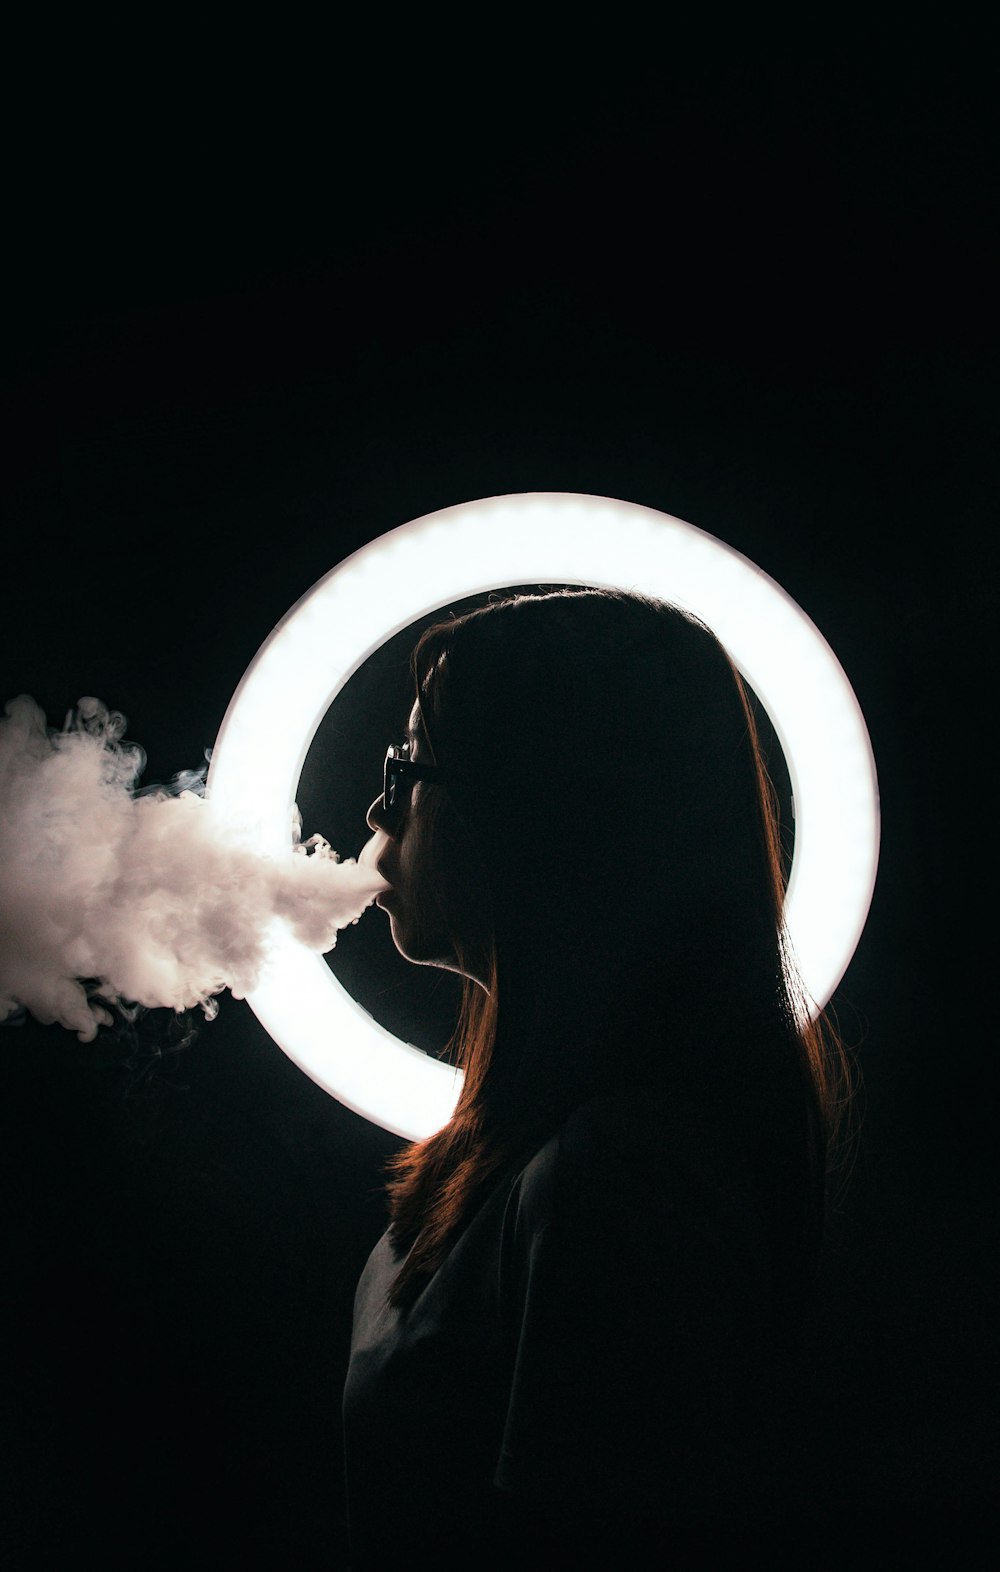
[{"x": 538, "y": 538}]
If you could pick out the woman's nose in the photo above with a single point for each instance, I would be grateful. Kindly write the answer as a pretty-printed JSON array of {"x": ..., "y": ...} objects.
[{"x": 377, "y": 818}]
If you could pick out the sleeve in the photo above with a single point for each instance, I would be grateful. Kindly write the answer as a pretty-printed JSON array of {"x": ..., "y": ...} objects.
[{"x": 629, "y": 1314}]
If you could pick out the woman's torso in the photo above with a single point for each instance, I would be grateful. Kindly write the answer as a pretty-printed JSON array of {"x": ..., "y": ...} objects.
[{"x": 596, "y": 1345}]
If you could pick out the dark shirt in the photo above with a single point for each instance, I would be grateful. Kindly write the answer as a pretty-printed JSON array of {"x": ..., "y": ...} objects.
[{"x": 586, "y": 1368}]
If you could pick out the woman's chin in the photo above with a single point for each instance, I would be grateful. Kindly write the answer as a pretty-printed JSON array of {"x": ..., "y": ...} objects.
[{"x": 397, "y": 927}]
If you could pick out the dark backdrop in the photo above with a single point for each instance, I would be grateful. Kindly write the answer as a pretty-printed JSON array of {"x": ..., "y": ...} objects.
[{"x": 255, "y": 318}]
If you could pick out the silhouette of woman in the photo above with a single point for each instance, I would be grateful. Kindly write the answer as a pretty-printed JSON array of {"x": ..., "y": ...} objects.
[{"x": 564, "y": 1343}]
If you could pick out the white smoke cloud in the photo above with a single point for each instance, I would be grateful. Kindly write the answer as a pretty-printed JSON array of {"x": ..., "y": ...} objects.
[{"x": 141, "y": 894}]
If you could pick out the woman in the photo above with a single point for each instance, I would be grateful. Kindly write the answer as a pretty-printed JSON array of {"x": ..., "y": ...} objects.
[{"x": 564, "y": 1343}]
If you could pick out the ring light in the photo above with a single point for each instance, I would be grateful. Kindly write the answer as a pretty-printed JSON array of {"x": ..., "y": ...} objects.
[{"x": 537, "y": 538}]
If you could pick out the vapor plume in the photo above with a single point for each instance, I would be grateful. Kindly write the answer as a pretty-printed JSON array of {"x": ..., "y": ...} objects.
[{"x": 112, "y": 894}]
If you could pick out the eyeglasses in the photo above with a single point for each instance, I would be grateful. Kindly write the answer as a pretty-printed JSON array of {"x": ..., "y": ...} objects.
[{"x": 400, "y": 767}]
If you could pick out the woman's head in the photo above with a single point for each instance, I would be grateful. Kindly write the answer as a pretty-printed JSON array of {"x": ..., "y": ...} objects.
[{"x": 599, "y": 801}]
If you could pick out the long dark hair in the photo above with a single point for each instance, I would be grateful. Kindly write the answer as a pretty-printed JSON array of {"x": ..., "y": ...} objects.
[{"x": 603, "y": 750}]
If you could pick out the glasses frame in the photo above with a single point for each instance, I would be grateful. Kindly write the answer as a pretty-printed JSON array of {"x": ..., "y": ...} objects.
[{"x": 398, "y": 766}]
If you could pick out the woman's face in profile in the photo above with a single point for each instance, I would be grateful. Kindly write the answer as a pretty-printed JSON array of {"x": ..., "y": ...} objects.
[{"x": 438, "y": 897}]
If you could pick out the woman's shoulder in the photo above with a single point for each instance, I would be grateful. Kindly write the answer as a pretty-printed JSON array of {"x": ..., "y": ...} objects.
[
  {"x": 640, "y": 1214},
  {"x": 639, "y": 1153}
]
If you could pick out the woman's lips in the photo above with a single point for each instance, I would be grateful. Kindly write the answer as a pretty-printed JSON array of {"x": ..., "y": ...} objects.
[{"x": 377, "y": 843}]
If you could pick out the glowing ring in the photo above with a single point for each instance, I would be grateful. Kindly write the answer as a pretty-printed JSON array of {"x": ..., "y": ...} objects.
[{"x": 538, "y": 538}]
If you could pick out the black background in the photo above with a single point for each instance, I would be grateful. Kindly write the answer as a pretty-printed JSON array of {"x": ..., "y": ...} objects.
[{"x": 260, "y": 312}]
